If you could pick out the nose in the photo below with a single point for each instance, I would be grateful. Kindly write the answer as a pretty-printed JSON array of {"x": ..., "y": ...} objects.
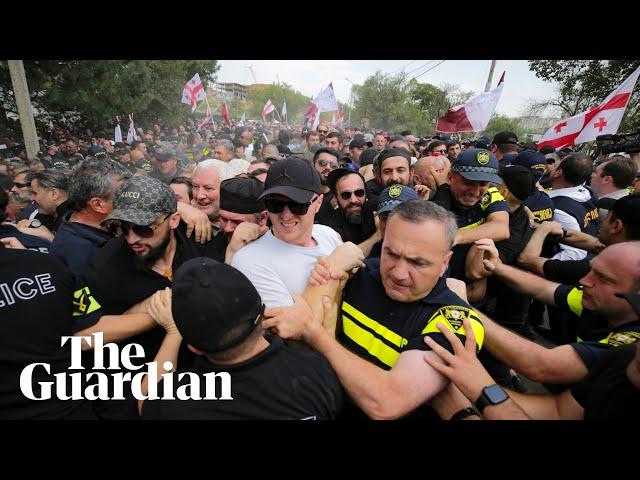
[
  {"x": 286, "y": 213},
  {"x": 131, "y": 237},
  {"x": 228, "y": 227},
  {"x": 587, "y": 280},
  {"x": 199, "y": 193},
  {"x": 400, "y": 272}
]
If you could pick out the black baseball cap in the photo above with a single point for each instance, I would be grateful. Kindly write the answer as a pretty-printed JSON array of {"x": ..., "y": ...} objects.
[
  {"x": 358, "y": 142},
  {"x": 502, "y": 138},
  {"x": 141, "y": 200},
  {"x": 293, "y": 177},
  {"x": 477, "y": 165},
  {"x": 337, "y": 174},
  {"x": 240, "y": 195},
  {"x": 519, "y": 180},
  {"x": 214, "y": 306},
  {"x": 626, "y": 208}
]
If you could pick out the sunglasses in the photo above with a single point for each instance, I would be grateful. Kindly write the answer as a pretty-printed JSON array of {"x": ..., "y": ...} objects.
[
  {"x": 323, "y": 163},
  {"x": 323, "y": 131},
  {"x": 20, "y": 185},
  {"x": 358, "y": 193},
  {"x": 144, "y": 231},
  {"x": 277, "y": 206}
]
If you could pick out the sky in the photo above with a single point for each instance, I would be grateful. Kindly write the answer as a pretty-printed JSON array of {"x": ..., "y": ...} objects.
[{"x": 309, "y": 76}]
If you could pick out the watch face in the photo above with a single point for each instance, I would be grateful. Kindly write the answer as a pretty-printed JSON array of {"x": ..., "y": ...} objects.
[
  {"x": 495, "y": 394},
  {"x": 35, "y": 223}
]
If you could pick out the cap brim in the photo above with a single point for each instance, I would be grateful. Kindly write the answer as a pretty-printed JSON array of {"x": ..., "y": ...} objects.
[
  {"x": 296, "y": 194},
  {"x": 137, "y": 217},
  {"x": 633, "y": 299},
  {"x": 482, "y": 177},
  {"x": 388, "y": 207},
  {"x": 606, "y": 203}
]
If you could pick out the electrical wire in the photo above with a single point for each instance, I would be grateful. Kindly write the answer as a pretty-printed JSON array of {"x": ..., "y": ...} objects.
[{"x": 428, "y": 70}]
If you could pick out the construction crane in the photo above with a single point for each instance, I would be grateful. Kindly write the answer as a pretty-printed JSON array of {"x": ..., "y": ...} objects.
[{"x": 250, "y": 67}]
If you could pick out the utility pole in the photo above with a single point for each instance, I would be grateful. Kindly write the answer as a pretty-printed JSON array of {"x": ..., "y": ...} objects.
[
  {"x": 25, "y": 111},
  {"x": 487, "y": 87},
  {"x": 350, "y": 99},
  {"x": 250, "y": 67}
]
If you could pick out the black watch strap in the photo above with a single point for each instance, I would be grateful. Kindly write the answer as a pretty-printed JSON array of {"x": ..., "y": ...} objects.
[
  {"x": 486, "y": 400},
  {"x": 465, "y": 412}
]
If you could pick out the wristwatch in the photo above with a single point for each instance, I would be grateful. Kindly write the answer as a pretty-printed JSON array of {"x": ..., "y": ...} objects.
[
  {"x": 35, "y": 223},
  {"x": 491, "y": 395}
]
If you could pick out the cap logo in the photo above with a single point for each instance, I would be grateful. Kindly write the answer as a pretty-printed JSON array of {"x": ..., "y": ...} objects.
[
  {"x": 130, "y": 196},
  {"x": 395, "y": 191},
  {"x": 483, "y": 158}
]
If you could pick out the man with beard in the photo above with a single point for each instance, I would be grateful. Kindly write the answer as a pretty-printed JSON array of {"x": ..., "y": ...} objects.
[
  {"x": 150, "y": 244},
  {"x": 348, "y": 188},
  {"x": 325, "y": 160}
]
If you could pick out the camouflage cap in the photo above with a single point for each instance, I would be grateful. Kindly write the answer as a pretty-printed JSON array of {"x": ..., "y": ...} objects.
[{"x": 141, "y": 200}]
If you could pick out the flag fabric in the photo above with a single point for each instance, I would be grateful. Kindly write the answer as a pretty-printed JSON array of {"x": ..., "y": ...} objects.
[
  {"x": 268, "y": 108},
  {"x": 341, "y": 117},
  {"x": 603, "y": 119},
  {"x": 326, "y": 100},
  {"x": 225, "y": 114},
  {"x": 117, "y": 136},
  {"x": 207, "y": 120},
  {"x": 193, "y": 92},
  {"x": 473, "y": 115},
  {"x": 333, "y": 119},
  {"x": 131, "y": 135},
  {"x": 242, "y": 121},
  {"x": 284, "y": 109}
]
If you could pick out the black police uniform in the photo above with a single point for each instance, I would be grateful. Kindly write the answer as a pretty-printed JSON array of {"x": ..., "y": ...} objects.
[
  {"x": 468, "y": 217},
  {"x": 606, "y": 392},
  {"x": 280, "y": 383},
  {"x": 36, "y": 301},
  {"x": 587, "y": 325},
  {"x": 540, "y": 205},
  {"x": 586, "y": 213},
  {"x": 31, "y": 242}
]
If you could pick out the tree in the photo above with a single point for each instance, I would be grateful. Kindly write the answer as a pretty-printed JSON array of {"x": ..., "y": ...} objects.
[
  {"x": 502, "y": 123},
  {"x": 585, "y": 83},
  {"x": 259, "y": 94},
  {"x": 98, "y": 90}
]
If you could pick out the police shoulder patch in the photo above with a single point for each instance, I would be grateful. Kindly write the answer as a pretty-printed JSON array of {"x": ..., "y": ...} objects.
[
  {"x": 486, "y": 198},
  {"x": 623, "y": 338},
  {"x": 483, "y": 157},
  {"x": 451, "y": 316}
]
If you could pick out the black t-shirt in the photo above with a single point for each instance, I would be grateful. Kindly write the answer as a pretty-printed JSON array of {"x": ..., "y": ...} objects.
[
  {"x": 326, "y": 209},
  {"x": 36, "y": 302},
  {"x": 590, "y": 326},
  {"x": 566, "y": 271},
  {"x": 520, "y": 232},
  {"x": 31, "y": 242},
  {"x": 591, "y": 351},
  {"x": 349, "y": 232},
  {"x": 280, "y": 383},
  {"x": 606, "y": 392}
]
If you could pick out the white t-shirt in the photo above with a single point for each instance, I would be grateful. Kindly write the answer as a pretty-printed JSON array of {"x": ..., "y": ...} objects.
[{"x": 278, "y": 269}]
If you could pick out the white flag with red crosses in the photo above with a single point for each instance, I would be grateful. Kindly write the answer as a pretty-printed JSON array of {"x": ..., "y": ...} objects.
[
  {"x": 193, "y": 92},
  {"x": 603, "y": 119}
]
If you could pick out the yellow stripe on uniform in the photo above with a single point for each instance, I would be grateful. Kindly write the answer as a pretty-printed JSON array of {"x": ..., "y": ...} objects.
[
  {"x": 574, "y": 301},
  {"x": 451, "y": 317},
  {"x": 369, "y": 342},
  {"x": 480, "y": 222},
  {"x": 84, "y": 303},
  {"x": 381, "y": 330}
]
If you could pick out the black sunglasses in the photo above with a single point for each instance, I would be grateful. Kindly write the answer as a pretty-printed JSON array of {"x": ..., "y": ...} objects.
[
  {"x": 20, "y": 185},
  {"x": 323, "y": 131},
  {"x": 144, "y": 231},
  {"x": 358, "y": 193},
  {"x": 277, "y": 206},
  {"x": 323, "y": 163}
]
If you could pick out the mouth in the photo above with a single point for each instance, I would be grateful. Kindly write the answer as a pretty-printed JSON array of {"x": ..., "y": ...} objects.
[
  {"x": 137, "y": 248},
  {"x": 288, "y": 226}
]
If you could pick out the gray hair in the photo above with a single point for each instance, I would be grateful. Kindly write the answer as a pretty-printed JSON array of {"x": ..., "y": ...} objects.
[
  {"x": 418, "y": 211},
  {"x": 227, "y": 145},
  {"x": 95, "y": 178},
  {"x": 209, "y": 164},
  {"x": 50, "y": 179}
]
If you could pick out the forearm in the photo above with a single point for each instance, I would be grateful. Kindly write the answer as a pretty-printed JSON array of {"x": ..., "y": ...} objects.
[
  {"x": 496, "y": 230},
  {"x": 536, "y": 407},
  {"x": 368, "y": 244},
  {"x": 530, "y": 257},
  {"x": 474, "y": 268},
  {"x": 313, "y": 296},
  {"x": 583, "y": 241},
  {"x": 528, "y": 283},
  {"x": 367, "y": 384},
  {"x": 118, "y": 327},
  {"x": 168, "y": 352},
  {"x": 507, "y": 410}
]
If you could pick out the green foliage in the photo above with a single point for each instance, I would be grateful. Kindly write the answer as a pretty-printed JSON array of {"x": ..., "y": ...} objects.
[
  {"x": 257, "y": 97},
  {"x": 585, "y": 83},
  {"x": 502, "y": 123},
  {"x": 98, "y": 90}
]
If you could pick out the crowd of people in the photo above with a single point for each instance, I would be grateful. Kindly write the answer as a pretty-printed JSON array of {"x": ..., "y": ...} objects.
[{"x": 334, "y": 273}]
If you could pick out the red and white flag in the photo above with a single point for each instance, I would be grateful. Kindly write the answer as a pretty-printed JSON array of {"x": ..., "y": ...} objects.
[
  {"x": 326, "y": 100},
  {"x": 473, "y": 115},
  {"x": 207, "y": 120},
  {"x": 603, "y": 119},
  {"x": 193, "y": 92},
  {"x": 225, "y": 114},
  {"x": 268, "y": 108},
  {"x": 341, "y": 117}
]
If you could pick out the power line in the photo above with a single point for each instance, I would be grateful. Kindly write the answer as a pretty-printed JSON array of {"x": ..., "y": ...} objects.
[
  {"x": 421, "y": 66},
  {"x": 396, "y": 71},
  {"x": 436, "y": 65}
]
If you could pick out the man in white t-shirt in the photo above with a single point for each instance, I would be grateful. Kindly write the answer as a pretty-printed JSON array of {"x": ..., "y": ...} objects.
[{"x": 279, "y": 263}]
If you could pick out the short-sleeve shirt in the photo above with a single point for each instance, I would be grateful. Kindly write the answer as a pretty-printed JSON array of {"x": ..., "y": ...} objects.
[
  {"x": 591, "y": 326},
  {"x": 469, "y": 217},
  {"x": 379, "y": 329}
]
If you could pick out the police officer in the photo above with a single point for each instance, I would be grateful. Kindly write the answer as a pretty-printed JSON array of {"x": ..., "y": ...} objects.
[{"x": 538, "y": 202}]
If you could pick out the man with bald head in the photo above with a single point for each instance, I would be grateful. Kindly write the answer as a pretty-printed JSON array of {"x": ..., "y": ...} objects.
[
  {"x": 422, "y": 172},
  {"x": 604, "y": 320}
]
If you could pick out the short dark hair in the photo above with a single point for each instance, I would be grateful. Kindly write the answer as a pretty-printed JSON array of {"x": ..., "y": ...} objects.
[
  {"x": 51, "y": 179},
  {"x": 335, "y": 135},
  {"x": 576, "y": 168},
  {"x": 632, "y": 230},
  {"x": 452, "y": 143},
  {"x": 435, "y": 144},
  {"x": 328, "y": 150},
  {"x": 184, "y": 181},
  {"x": 284, "y": 138},
  {"x": 6, "y": 182},
  {"x": 95, "y": 178},
  {"x": 405, "y": 133},
  {"x": 621, "y": 169}
]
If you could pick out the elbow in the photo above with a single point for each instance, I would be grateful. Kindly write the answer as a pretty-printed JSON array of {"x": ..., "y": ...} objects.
[
  {"x": 383, "y": 412},
  {"x": 502, "y": 233}
]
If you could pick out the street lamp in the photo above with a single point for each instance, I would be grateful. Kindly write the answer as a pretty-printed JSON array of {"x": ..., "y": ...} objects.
[{"x": 350, "y": 99}]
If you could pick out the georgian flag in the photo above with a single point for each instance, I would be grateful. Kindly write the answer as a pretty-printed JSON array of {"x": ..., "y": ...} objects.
[
  {"x": 268, "y": 108},
  {"x": 225, "y": 114},
  {"x": 193, "y": 92},
  {"x": 473, "y": 115},
  {"x": 603, "y": 119},
  {"x": 326, "y": 100},
  {"x": 207, "y": 120}
]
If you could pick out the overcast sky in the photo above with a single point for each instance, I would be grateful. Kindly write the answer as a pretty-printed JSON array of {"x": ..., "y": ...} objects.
[{"x": 309, "y": 76}]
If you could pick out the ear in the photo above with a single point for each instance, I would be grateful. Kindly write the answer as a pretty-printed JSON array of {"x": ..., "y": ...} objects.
[
  {"x": 617, "y": 227},
  {"x": 195, "y": 350},
  {"x": 263, "y": 219},
  {"x": 318, "y": 202},
  {"x": 174, "y": 220},
  {"x": 445, "y": 262},
  {"x": 97, "y": 204}
]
